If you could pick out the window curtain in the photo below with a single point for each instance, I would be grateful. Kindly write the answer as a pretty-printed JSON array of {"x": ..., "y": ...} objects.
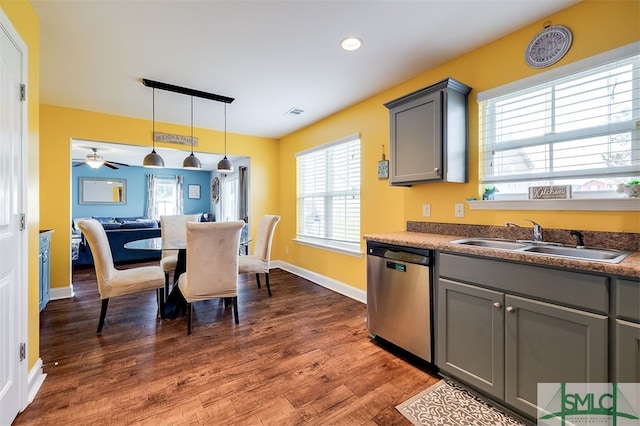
[
  {"x": 153, "y": 211},
  {"x": 152, "y": 190},
  {"x": 243, "y": 202},
  {"x": 179, "y": 195}
]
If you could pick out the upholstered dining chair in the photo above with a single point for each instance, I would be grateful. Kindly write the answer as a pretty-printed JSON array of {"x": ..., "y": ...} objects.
[
  {"x": 173, "y": 227},
  {"x": 258, "y": 262},
  {"x": 212, "y": 264},
  {"x": 117, "y": 282}
]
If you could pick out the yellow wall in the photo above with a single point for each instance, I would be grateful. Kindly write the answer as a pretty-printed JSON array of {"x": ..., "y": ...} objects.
[
  {"x": 25, "y": 21},
  {"x": 59, "y": 125},
  {"x": 597, "y": 26}
]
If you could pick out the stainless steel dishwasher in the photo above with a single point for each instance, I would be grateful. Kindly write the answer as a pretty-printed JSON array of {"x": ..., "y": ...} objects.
[{"x": 399, "y": 297}]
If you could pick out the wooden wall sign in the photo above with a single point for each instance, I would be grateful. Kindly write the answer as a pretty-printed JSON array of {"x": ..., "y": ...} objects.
[
  {"x": 176, "y": 139},
  {"x": 549, "y": 192}
]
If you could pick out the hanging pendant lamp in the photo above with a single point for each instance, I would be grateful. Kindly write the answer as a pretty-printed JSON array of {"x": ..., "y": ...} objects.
[
  {"x": 153, "y": 159},
  {"x": 191, "y": 162},
  {"x": 224, "y": 166}
]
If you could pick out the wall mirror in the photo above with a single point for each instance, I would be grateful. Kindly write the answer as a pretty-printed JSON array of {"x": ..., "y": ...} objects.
[{"x": 102, "y": 191}]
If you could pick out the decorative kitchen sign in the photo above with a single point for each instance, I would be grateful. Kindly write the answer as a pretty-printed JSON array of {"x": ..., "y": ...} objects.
[
  {"x": 549, "y": 192},
  {"x": 177, "y": 139}
]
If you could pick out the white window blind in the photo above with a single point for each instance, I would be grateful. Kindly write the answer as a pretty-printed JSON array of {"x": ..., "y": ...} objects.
[
  {"x": 581, "y": 129},
  {"x": 328, "y": 193}
]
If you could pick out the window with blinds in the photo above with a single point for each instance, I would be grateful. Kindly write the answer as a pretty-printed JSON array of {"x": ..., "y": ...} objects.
[
  {"x": 581, "y": 129},
  {"x": 328, "y": 194}
]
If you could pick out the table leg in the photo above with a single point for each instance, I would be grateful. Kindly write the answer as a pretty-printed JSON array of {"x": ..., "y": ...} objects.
[{"x": 176, "y": 305}]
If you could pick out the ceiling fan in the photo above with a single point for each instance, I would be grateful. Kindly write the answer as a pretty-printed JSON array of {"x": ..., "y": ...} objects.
[{"x": 95, "y": 160}]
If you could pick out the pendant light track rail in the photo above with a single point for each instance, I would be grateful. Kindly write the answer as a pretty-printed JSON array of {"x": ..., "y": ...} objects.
[{"x": 186, "y": 91}]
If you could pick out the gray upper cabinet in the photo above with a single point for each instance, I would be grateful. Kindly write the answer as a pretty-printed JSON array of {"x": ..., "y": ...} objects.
[{"x": 429, "y": 135}]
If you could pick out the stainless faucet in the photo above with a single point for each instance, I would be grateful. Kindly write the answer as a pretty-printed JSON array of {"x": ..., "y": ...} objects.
[{"x": 537, "y": 230}]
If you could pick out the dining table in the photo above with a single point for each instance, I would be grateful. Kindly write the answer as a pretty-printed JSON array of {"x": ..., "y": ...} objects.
[{"x": 175, "y": 304}]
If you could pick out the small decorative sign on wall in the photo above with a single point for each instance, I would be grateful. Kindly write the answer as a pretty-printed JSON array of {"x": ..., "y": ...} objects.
[
  {"x": 194, "y": 191},
  {"x": 549, "y": 192},
  {"x": 176, "y": 139}
]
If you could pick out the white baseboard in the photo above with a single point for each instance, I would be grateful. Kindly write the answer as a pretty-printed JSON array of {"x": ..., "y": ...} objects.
[
  {"x": 330, "y": 283},
  {"x": 56, "y": 293},
  {"x": 34, "y": 381}
]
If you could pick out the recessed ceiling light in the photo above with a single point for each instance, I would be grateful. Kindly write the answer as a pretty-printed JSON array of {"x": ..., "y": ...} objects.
[{"x": 351, "y": 43}]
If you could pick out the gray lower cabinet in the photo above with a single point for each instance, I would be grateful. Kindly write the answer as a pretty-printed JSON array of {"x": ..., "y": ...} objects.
[
  {"x": 627, "y": 352},
  {"x": 470, "y": 335},
  {"x": 547, "y": 343},
  {"x": 504, "y": 344},
  {"x": 627, "y": 331}
]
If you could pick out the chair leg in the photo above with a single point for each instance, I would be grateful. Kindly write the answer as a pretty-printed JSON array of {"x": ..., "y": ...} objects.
[
  {"x": 103, "y": 314},
  {"x": 258, "y": 280},
  {"x": 166, "y": 284},
  {"x": 161, "y": 299},
  {"x": 235, "y": 309},
  {"x": 266, "y": 277},
  {"x": 189, "y": 314}
]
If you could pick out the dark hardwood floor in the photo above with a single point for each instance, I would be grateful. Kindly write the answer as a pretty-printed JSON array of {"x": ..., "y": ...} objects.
[{"x": 301, "y": 357}]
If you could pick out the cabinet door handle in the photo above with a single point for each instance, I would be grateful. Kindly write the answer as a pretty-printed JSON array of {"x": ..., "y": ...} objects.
[
  {"x": 436, "y": 170},
  {"x": 497, "y": 305},
  {"x": 511, "y": 309}
]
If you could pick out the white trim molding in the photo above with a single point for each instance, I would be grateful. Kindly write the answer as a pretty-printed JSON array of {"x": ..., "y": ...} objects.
[
  {"x": 329, "y": 283},
  {"x": 56, "y": 293},
  {"x": 584, "y": 204},
  {"x": 35, "y": 380}
]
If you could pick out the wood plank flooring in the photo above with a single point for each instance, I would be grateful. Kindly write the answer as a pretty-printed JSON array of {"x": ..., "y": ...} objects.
[{"x": 301, "y": 357}]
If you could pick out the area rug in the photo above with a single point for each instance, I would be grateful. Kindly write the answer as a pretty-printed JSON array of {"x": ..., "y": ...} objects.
[{"x": 446, "y": 403}]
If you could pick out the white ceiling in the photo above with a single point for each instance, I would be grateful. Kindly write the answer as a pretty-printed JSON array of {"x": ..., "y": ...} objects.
[{"x": 269, "y": 55}]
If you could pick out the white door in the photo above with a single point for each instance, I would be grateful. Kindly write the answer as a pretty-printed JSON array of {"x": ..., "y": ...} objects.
[{"x": 13, "y": 280}]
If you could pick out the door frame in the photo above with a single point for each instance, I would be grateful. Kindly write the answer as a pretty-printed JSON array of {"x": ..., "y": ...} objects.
[{"x": 22, "y": 267}]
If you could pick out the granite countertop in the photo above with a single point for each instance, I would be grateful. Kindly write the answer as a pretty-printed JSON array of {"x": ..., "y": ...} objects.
[{"x": 629, "y": 267}]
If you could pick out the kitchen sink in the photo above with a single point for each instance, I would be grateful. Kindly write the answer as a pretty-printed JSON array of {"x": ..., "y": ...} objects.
[
  {"x": 608, "y": 255},
  {"x": 491, "y": 243},
  {"x": 549, "y": 249}
]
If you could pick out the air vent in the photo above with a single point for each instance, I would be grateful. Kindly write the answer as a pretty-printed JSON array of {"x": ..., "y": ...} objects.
[{"x": 294, "y": 111}]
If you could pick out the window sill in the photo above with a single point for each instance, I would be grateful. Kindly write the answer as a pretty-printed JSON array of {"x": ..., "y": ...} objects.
[
  {"x": 617, "y": 204},
  {"x": 342, "y": 249}
]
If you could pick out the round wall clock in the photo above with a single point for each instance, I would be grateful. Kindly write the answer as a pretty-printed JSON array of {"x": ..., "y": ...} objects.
[
  {"x": 548, "y": 46},
  {"x": 215, "y": 190}
]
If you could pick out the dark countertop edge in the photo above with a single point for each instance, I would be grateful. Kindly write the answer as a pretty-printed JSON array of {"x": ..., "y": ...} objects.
[{"x": 629, "y": 267}]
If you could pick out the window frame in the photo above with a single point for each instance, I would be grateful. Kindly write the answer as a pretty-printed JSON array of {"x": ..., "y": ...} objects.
[
  {"x": 168, "y": 182},
  {"x": 343, "y": 246},
  {"x": 548, "y": 78}
]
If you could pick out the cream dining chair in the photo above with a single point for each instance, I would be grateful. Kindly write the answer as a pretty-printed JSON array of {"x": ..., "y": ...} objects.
[
  {"x": 258, "y": 262},
  {"x": 173, "y": 227},
  {"x": 117, "y": 282},
  {"x": 212, "y": 264}
]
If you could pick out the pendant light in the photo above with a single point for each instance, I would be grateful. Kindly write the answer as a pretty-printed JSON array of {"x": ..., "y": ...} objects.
[
  {"x": 224, "y": 166},
  {"x": 192, "y": 162},
  {"x": 153, "y": 159}
]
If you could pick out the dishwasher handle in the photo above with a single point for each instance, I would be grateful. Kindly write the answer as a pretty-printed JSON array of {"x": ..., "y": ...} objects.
[{"x": 409, "y": 255}]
